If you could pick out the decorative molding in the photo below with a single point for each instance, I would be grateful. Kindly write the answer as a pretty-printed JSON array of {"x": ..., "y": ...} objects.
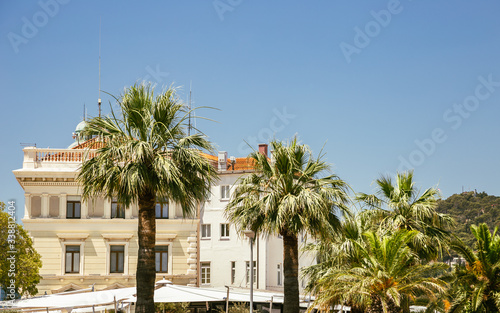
[
  {"x": 72, "y": 236},
  {"x": 118, "y": 236},
  {"x": 49, "y": 183},
  {"x": 67, "y": 287},
  {"x": 165, "y": 237}
]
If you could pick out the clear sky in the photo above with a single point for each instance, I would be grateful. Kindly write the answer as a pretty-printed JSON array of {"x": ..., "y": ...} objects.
[{"x": 384, "y": 85}]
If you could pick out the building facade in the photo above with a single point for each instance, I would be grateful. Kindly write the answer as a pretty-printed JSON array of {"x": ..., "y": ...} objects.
[
  {"x": 95, "y": 243},
  {"x": 84, "y": 243},
  {"x": 225, "y": 254}
]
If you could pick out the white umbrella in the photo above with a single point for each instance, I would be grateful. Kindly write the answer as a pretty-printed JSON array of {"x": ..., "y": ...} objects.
[{"x": 76, "y": 300}]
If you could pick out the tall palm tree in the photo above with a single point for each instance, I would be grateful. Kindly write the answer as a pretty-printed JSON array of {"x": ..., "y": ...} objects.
[
  {"x": 285, "y": 196},
  {"x": 477, "y": 284},
  {"x": 386, "y": 271},
  {"x": 398, "y": 205},
  {"x": 148, "y": 157}
]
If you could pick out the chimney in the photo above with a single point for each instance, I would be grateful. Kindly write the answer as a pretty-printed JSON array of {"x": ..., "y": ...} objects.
[
  {"x": 263, "y": 148},
  {"x": 222, "y": 160}
]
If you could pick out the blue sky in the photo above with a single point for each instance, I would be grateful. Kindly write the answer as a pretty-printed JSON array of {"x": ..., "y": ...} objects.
[{"x": 384, "y": 85}]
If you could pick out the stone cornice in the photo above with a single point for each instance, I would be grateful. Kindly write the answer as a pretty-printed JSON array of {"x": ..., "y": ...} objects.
[
  {"x": 72, "y": 236},
  {"x": 117, "y": 236}
]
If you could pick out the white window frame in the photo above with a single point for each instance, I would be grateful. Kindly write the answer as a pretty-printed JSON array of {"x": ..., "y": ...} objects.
[
  {"x": 247, "y": 270},
  {"x": 233, "y": 272},
  {"x": 225, "y": 192},
  {"x": 166, "y": 242},
  {"x": 110, "y": 243},
  {"x": 279, "y": 271},
  {"x": 63, "y": 257},
  {"x": 206, "y": 226},
  {"x": 74, "y": 202},
  {"x": 227, "y": 232},
  {"x": 118, "y": 205},
  {"x": 205, "y": 265},
  {"x": 169, "y": 258},
  {"x": 167, "y": 204}
]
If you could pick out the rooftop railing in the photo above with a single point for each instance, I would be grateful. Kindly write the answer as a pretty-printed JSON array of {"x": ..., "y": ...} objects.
[{"x": 46, "y": 157}]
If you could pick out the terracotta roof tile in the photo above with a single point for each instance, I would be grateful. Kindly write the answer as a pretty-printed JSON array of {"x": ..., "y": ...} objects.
[
  {"x": 91, "y": 143},
  {"x": 241, "y": 164}
]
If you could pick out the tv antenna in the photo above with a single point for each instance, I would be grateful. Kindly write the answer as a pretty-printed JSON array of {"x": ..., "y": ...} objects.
[
  {"x": 99, "y": 99},
  {"x": 189, "y": 107}
]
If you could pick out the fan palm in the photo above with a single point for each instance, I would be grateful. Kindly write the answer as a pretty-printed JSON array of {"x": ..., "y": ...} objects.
[
  {"x": 147, "y": 158},
  {"x": 387, "y": 270},
  {"x": 398, "y": 205},
  {"x": 285, "y": 196},
  {"x": 340, "y": 251},
  {"x": 477, "y": 285}
]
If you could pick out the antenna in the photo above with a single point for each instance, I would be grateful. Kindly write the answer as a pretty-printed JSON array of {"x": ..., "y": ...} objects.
[
  {"x": 84, "y": 112},
  {"x": 99, "y": 101},
  {"x": 189, "y": 107}
]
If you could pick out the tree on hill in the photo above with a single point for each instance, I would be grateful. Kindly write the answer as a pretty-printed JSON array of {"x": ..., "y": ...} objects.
[
  {"x": 471, "y": 208},
  {"x": 20, "y": 262}
]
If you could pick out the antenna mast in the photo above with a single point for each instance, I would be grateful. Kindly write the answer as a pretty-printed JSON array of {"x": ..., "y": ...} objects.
[
  {"x": 99, "y": 101},
  {"x": 189, "y": 123}
]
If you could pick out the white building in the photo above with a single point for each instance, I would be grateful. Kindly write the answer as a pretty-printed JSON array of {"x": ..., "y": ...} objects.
[{"x": 225, "y": 256}]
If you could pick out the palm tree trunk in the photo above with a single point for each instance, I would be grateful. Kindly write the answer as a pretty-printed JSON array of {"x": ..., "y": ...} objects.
[
  {"x": 356, "y": 309},
  {"x": 392, "y": 307},
  {"x": 291, "y": 271},
  {"x": 146, "y": 272},
  {"x": 375, "y": 305},
  {"x": 405, "y": 304},
  {"x": 490, "y": 305}
]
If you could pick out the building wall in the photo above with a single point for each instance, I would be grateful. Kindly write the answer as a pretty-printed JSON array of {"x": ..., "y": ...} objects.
[
  {"x": 49, "y": 186},
  {"x": 268, "y": 250}
]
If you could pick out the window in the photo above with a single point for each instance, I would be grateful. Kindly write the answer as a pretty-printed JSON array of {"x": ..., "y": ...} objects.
[
  {"x": 233, "y": 272},
  {"x": 73, "y": 209},
  {"x": 254, "y": 272},
  {"x": 161, "y": 210},
  {"x": 224, "y": 192},
  {"x": 161, "y": 257},
  {"x": 116, "y": 259},
  {"x": 117, "y": 210},
  {"x": 206, "y": 231},
  {"x": 278, "y": 270},
  {"x": 205, "y": 273},
  {"x": 224, "y": 231},
  {"x": 72, "y": 259}
]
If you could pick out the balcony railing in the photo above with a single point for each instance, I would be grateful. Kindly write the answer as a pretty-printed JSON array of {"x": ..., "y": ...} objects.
[{"x": 46, "y": 157}]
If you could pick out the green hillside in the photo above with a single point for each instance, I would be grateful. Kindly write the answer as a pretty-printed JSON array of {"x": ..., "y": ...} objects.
[{"x": 471, "y": 208}]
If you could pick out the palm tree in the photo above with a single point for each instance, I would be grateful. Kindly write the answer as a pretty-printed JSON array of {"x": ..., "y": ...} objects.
[
  {"x": 477, "y": 284},
  {"x": 400, "y": 206},
  {"x": 340, "y": 251},
  {"x": 285, "y": 196},
  {"x": 386, "y": 271},
  {"x": 147, "y": 158}
]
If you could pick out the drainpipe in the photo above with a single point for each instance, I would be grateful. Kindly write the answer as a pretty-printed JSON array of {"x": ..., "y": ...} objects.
[
  {"x": 198, "y": 248},
  {"x": 258, "y": 265}
]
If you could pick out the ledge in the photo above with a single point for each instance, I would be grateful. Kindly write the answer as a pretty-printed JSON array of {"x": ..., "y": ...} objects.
[
  {"x": 72, "y": 236},
  {"x": 117, "y": 236},
  {"x": 165, "y": 237}
]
